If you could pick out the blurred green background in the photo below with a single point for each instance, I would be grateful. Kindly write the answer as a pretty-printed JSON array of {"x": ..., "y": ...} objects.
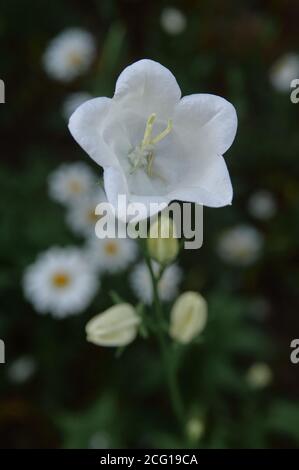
[{"x": 76, "y": 395}]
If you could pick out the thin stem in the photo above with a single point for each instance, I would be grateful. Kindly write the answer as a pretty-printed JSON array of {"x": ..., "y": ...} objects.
[{"x": 170, "y": 368}]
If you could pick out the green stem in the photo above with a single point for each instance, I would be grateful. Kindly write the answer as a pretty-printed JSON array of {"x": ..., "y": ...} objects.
[{"x": 170, "y": 368}]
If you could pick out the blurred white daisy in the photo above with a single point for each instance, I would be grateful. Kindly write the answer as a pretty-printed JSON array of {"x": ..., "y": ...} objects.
[
  {"x": 167, "y": 285},
  {"x": 73, "y": 101},
  {"x": 69, "y": 54},
  {"x": 69, "y": 182},
  {"x": 283, "y": 71},
  {"x": 21, "y": 369},
  {"x": 99, "y": 440},
  {"x": 240, "y": 245},
  {"x": 60, "y": 282},
  {"x": 173, "y": 21},
  {"x": 262, "y": 205},
  {"x": 81, "y": 215},
  {"x": 111, "y": 254}
]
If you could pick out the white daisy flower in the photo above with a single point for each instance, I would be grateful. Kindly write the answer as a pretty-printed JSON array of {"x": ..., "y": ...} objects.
[
  {"x": 81, "y": 216},
  {"x": 167, "y": 286},
  {"x": 284, "y": 71},
  {"x": 111, "y": 254},
  {"x": 240, "y": 245},
  {"x": 173, "y": 21},
  {"x": 154, "y": 146},
  {"x": 73, "y": 101},
  {"x": 60, "y": 282},
  {"x": 262, "y": 205},
  {"x": 71, "y": 181},
  {"x": 69, "y": 54},
  {"x": 21, "y": 369}
]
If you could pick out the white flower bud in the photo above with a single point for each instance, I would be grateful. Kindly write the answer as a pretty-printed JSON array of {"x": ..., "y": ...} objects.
[
  {"x": 163, "y": 246},
  {"x": 117, "y": 326},
  {"x": 188, "y": 317},
  {"x": 195, "y": 429},
  {"x": 259, "y": 375}
]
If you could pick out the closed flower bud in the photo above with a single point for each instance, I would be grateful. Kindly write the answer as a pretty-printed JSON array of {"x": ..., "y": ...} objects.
[
  {"x": 188, "y": 317},
  {"x": 195, "y": 429},
  {"x": 117, "y": 326},
  {"x": 259, "y": 375},
  {"x": 163, "y": 246}
]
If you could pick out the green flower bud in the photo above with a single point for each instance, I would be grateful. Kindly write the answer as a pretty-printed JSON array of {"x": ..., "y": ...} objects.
[{"x": 163, "y": 246}]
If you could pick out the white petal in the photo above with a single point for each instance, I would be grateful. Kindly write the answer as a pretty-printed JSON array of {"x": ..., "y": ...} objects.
[
  {"x": 210, "y": 188},
  {"x": 151, "y": 204},
  {"x": 87, "y": 125},
  {"x": 116, "y": 185},
  {"x": 148, "y": 87},
  {"x": 209, "y": 120},
  {"x": 205, "y": 126}
]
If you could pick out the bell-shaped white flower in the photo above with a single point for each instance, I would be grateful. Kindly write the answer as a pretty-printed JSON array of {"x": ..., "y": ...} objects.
[
  {"x": 155, "y": 146},
  {"x": 117, "y": 326},
  {"x": 188, "y": 317}
]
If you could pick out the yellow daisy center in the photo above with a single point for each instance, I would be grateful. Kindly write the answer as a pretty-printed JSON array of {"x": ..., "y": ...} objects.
[
  {"x": 92, "y": 217},
  {"x": 61, "y": 280},
  {"x": 111, "y": 248},
  {"x": 75, "y": 58},
  {"x": 75, "y": 186}
]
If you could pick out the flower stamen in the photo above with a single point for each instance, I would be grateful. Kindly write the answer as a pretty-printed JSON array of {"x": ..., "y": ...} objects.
[
  {"x": 150, "y": 161},
  {"x": 143, "y": 155},
  {"x": 162, "y": 134},
  {"x": 148, "y": 131}
]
